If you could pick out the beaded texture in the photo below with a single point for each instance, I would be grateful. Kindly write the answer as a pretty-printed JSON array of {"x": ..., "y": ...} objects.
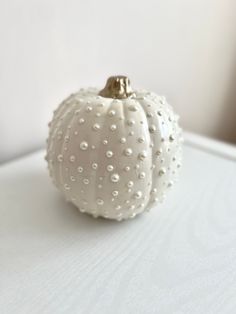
[{"x": 114, "y": 158}]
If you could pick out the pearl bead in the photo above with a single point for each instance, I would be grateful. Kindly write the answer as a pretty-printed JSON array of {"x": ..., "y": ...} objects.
[
  {"x": 100, "y": 201},
  {"x": 158, "y": 152},
  {"x": 123, "y": 140},
  {"x": 162, "y": 171},
  {"x": 130, "y": 122},
  {"x": 128, "y": 152},
  {"x": 111, "y": 113},
  {"x": 115, "y": 177},
  {"x": 72, "y": 178},
  {"x": 171, "y": 138},
  {"x": 72, "y": 158},
  {"x": 133, "y": 108},
  {"x": 66, "y": 186},
  {"x": 149, "y": 115},
  {"x": 142, "y": 175},
  {"x": 80, "y": 169},
  {"x": 127, "y": 168},
  {"x": 66, "y": 138},
  {"x": 138, "y": 194},
  {"x": 141, "y": 139},
  {"x": 113, "y": 127},
  {"x": 142, "y": 155},
  {"x": 110, "y": 168},
  {"x": 60, "y": 158},
  {"x": 96, "y": 127},
  {"x": 130, "y": 184},
  {"x": 83, "y": 145},
  {"x": 152, "y": 128},
  {"x": 94, "y": 166},
  {"x": 109, "y": 154}
]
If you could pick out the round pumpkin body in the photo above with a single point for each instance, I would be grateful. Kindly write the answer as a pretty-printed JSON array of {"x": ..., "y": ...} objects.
[{"x": 111, "y": 157}]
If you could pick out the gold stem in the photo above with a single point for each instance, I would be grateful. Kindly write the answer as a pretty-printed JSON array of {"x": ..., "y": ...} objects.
[{"x": 117, "y": 87}]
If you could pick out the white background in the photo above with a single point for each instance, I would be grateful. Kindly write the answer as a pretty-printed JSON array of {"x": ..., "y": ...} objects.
[{"x": 183, "y": 49}]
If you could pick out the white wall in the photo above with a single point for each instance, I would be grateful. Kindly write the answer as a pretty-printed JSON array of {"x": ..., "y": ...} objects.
[{"x": 184, "y": 49}]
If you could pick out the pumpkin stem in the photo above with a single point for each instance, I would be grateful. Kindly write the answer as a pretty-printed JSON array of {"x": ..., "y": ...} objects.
[{"x": 117, "y": 87}]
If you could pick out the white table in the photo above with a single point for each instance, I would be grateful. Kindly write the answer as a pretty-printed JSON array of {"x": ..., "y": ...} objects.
[{"x": 179, "y": 258}]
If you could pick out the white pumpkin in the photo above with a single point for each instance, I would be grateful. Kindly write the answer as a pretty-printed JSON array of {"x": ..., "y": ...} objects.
[{"x": 114, "y": 153}]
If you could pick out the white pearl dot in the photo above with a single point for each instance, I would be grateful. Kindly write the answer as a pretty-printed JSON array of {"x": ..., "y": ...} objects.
[
  {"x": 109, "y": 154},
  {"x": 94, "y": 166},
  {"x": 142, "y": 155},
  {"x": 149, "y": 114},
  {"x": 142, "y": 175},
  {"x": 84, "y": 145},
  {"x": 171, "y": 138},
  {"x": 115, "y": 193},
  {"x": 111, "y": 113},
  {"x": 66, "y": 186},
  {"x": 72, "y": 158},
  {"x": 127, "y": 168},
  {"x": 162, "y": 171},
  {"x": 152, "y": 128},
  {"x": 60, "y": 158},
  {"x": 130, "y": 184},
  {"x": 158, "y": 152},
  {"x": 128, "y": 152},
  {"x": 110, "y": 168},
  {"x": 100, "y": 201},
  {"x": 141, "y": 139},
  {"x": 123, "y": 140},
  {"x": 113, "y": 127},
  {"x": 130, "y": 122},
  {"x": 115, "y": 177},
  {"x": 131, "y": 207},
  {"x": 66, "y": 138},
  {"x": 89, "y": 109},
  {"x": 105, "y": 142},
  {"x": 80, "y": 169},
  {"x": 138, "y": 194},
  {"x": 72, "y": 178},
  {"x": 81, "y": 121},
  {"x": 86, "y": 181},
  {"x": 96, "y": 127},
  {"x": 133, "y": 108}
]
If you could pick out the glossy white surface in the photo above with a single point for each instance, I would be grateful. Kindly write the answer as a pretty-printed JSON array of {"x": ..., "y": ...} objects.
[
  {"x": 179, "y": 258},
  {"x": 111, "y": 157}
]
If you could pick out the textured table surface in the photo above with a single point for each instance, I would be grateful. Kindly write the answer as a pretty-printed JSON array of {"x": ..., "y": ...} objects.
[{"x": 179, "y": 258}]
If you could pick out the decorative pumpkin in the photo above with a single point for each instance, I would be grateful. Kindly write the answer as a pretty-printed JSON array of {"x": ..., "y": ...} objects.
[{"x": 114, "y": 153}]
